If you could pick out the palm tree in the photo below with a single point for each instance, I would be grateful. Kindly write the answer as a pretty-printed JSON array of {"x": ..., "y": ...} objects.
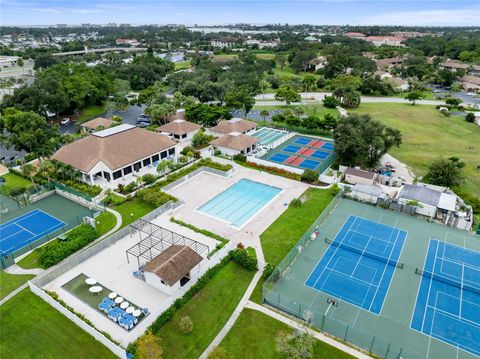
[
  {"x": 46, "y": 169},
  {"x": 264, "y": 114},
  {"x": 28, "y": 170}
]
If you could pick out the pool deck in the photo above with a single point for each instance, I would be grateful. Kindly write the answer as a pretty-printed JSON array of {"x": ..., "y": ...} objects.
[{"x": 205, "y": 186}]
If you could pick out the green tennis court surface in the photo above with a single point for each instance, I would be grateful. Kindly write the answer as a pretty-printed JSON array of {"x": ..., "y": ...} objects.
[{"x": 387, "y": 334}]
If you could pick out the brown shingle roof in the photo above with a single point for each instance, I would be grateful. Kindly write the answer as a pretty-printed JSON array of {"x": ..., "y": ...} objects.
[
  {"x": 178, "y": 127},
  {"x": 173, "y": 264},
  {"x": 470, "y": 79},
  {"x": 359, "y": 173},
  {"x": 233, "y": 125},
  {"x": 115, "y": 150},
  {"x": 97, "y": 122},
  {"x": 235, "y": 141}
]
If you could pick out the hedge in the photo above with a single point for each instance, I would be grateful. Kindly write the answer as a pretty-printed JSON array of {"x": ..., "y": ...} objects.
[
  {"x": 154, "y": 196},
  {"x": 271, "y": 170},
  {"x": 91, "y": 191},
  {"x": 77, "y": 238},
  {"x": 245, "y": 258}
]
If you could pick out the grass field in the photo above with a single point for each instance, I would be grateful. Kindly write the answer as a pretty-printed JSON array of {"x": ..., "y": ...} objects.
[
  {"x": 10, "y": 282},
  {"x": 31, "y": 328},
  {"x": 278, "y": 239},
  {"x": 314, "y": 109},
  {"x": 427, "y": 134},
  {"x": 253, "y": 336},
  {"x": 183, "y": 65},
  {"x": 132, "y": 210},
  {"x": 91, "y": 112},
  {"x": 13, "y": 180},
  {"x": 209, "y": 311},
  {"x": 105, "y": 222}
]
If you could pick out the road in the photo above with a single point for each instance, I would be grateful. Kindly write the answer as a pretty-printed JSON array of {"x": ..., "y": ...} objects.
[{"x": 268, "y": 99}]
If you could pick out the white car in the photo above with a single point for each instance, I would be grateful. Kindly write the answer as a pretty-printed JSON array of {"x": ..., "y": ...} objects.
[
  {"x": 472, "y": 94},
  {"x": 65, "y": 121}
]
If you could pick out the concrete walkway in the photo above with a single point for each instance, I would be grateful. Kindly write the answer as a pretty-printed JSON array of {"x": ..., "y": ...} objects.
[
  {"x": 117, "y": 226},
  {"x": 14, "y": 293},
  {"x": 317, "y": 335}
]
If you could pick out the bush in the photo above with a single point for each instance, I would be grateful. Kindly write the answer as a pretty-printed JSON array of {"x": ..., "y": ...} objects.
[
  {"x": 278, "y": 118},
  {"x": 149, "y": 178},
  {"x": 330, "y": 102},
  {"x": 334, "y": 190},
  {"x": 154, "y": 196},
  {"x": 91, "y": 191},
  {"x": 113, "y": 200},
  {"x": 240, "y": 158},
  {"x": 186, "y": 150},
  {"x": 309, "y": 176},
  {"x": 201, "y": 139},
  {"x": 185, "y": 325},
  {"x": 245, "y": 258},
  {"x": 15, "y": 191},
  {"x": 470, "y": 117},
  {"x": 268, "y": 270},
  {"x": 296, "y": 202},
  {"x": 77, "y": 238}
]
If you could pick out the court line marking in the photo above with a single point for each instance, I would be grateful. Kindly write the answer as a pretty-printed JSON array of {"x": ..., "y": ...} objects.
[{"x": 430, "y": 285}]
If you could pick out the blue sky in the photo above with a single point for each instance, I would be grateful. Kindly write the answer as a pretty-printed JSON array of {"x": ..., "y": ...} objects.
[{"x": 389, "y": 12}]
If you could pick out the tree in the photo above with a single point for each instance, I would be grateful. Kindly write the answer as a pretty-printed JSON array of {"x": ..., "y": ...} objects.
[
  {"x": 297, "y": 344},
  {"x": 159, "y": 113},
  {"x": 308, "y": 81},
  {"x": 240, "y": 99},
  {"x": 453, "y": 101},
  {"x": 266, "y": 113},
  {"x": 201, "y": 139},
  {"x": 185, "y": 324},
  {"x": 414, "y": 96},
  {"x": 28, "y": 170},
  {"x": 470, "y": 117},
  {"x": 287, "y": 94},
  {"x": 351, "y": 99},
  {"x": 20, "y": 62},
  {"x": 46, "y": 169},
  {"x": 330, "y": 102},
  {"x": 182, "y": 101},
  {"x": 207, "y": 115},
  {"x": 311, "y": 122},
  {"x": 309, "y": 176},
  {"x": 445, "y": 172},
  {"x": 329, "y": 122},
  {"x": 164, "y": 166},
  {"x": 281, "y": 60},
  {"x": 29, "y": 132},
  {"x": 219, "y": 353},
  {"x": 360, "y": 140},
  {"x": 148, "y": 346}
]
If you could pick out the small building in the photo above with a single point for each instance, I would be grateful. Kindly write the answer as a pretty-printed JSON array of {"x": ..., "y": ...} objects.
[
  {"x": 388, "y": 63},
  {"x": 384, "y": 40},
  {"x": 173, "y": 268},
  {"x": 234, "y": 125},
  {"x": 470, "y": 83},
  {"x": 355, "y": 35},
  {"x": 97, "y": 124},
  {"x": 358, "y": 176},
  {"x": 429, "y": 201},
  {"x": 235, "y": 143},
  {"x": 116, "y": 152},
  {"x": 179, "y": 129},
  {"x": 366, "y": 193},
  {"x": 317, "y": 63}
]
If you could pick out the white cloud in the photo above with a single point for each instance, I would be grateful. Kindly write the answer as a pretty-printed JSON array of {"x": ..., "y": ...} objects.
[
  {"x": 86, "y": 11},
  {"x": 465, "y": 17},
  {"x": 47, "y": 10}
]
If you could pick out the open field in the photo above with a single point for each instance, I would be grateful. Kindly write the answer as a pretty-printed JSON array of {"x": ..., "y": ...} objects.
[
  {"x": 13, "y": 180},
  {"x": 314, "y": 109},
  {"x": 31, "y": 328},
  {"x": 183, "y": 65},
  {"x": 132, "y": 210},
  {"x": 209, "y": 311},
  {"x": 427, "y": 134},
  {"x": 253, "y": 336},
  {"x": 281, "y": 236},
  {"x": 10, "y": 282},
  {"x": 91, "y": 112}
]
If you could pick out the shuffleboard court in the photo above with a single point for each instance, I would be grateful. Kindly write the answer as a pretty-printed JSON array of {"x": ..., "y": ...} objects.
[{"x": 21, "y": 231}]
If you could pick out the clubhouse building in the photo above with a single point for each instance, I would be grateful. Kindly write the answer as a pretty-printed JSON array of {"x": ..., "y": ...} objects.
[{"x": 118, "y": 153}]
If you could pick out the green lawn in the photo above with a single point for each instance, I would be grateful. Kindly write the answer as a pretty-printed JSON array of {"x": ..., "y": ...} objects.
[
  {"x": 132, "y": 210},
  {"x": 183, "y": 65},
  {"x": 428, "y": 134},
  {"x": 13, "y": 180},
  {"x": 105, "y": 222},
  {"x": 253, "y": 336},
  {"x": 209, "y": 311},
  {"x": 314, "y": 109},
  {"x": 91, "y": 112},
  {"x": 278, "y": 239},
  {"x": 31, "y": 328},
  {"x": 10, "y": 282}
]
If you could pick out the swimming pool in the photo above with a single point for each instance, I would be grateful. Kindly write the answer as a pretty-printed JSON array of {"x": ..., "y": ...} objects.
[{"x": 239, "y": 202}]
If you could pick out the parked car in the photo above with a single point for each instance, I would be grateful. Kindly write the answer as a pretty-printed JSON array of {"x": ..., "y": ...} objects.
[
  {"x": 65, "y": 121},
  {"x": 142, "y": 124}
]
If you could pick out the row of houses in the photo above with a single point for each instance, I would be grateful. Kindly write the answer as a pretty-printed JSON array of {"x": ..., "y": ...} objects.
[{"x": 377, "y": 40}]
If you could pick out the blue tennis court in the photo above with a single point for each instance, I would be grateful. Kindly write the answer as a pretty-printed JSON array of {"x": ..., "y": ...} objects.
[
  {"x": 21, "y": 231},
  {"x": 448, "y": 300},
  {"x": 279, "y": 157},
  {"x": 320, "y": 154},
  {"x": 359, "y": 264},
  {"x": 328, "y": 146},
  {"x": 292, "y": 149},
  {"x": 309, "y": 164},
  {"x": 303, "y": 140}
]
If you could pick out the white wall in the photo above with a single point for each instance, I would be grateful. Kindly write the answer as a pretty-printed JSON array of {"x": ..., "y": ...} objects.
[
  {"x": 425, "y": 209},
  {"x": 153, "y": 280},
  {"x": 356, "y": 179}
]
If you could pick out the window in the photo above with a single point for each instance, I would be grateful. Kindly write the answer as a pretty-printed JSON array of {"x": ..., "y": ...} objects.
[
  {"x": 137, "y": 166},
  {"x": 127, "y": 170},
  {"x": 146, "y": 162},
  {"x": 117, "y": 174},
  {"x": 184, "y": 135},
  {"x": 155, "y": 158},
  {"x": 176, "y": 137},
  {"x": 163, "y": 154},
  {"x": 171, "y": 151},
  {"x": 106, "y": 175}
]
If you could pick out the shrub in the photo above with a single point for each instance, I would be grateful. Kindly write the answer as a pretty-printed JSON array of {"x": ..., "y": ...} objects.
[
  {"x": 330, "y": 102},
  {"x": 470, "y": 117},
  {"x": 149, "y": 178},
  {"x": 278, "y": 118},
  {"x": 334, "y": 190},
  {"x": 274, "y": 170},
  {"x": 185, "y": 325},
  {"x": 113, "y": 200},
  {"x": 183, "y": 159},
  {"x": 186, "y": 150},
  {"x": 15, "y": 191},
  {"x": 309, "y": 176},
  {"x": 130, "y": 187},
  {"x": 268, "y": 270},
  {"x": 91, "y": 191},
  {"x": 240, "y": 158},
  {"x": 154, "y": 196},
  {"x": 296, "y": 202},
  {"x": 201, "y": 139},
  {"x": 245, "y": 258},
  {"x": 77, "y": 238}
]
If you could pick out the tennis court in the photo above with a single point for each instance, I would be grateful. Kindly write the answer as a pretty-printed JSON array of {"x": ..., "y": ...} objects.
[
  {"x": 303, "y": 152},
  {"x": 333, "y": 279},
  {"x": 21, "y": 231},
  {"x": 448, "y": 301},
  {"x": 359, "y": 264},
  {"x": 268, "y": 135}
]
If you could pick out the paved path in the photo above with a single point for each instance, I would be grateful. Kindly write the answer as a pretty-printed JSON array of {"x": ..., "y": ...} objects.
[
  {"x": 14, "y": 293},
  {"x": 268, "y": 99},
  {"x": 117, "y": 226}
]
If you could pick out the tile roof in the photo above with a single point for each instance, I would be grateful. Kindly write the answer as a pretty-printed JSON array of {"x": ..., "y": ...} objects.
[
  {"x": 174, "y": 263},
  {"x": 233, "y": 125},
  {"x": 178, "y": 127},
  {"x": 97, "y": 122},
  {"x": 360, "y": 173},
  {"x": 115, "y": 150},
  {"x": 235, "y": 141}
]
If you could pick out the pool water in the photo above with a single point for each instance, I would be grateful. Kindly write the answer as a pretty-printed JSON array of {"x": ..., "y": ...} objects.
[{"x": 240, "y": 202}]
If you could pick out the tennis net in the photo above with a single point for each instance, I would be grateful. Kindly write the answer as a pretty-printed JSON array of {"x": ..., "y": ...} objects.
[
  {"x": 452, "y": 282},
  {"x": 365, "y": 253}
]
